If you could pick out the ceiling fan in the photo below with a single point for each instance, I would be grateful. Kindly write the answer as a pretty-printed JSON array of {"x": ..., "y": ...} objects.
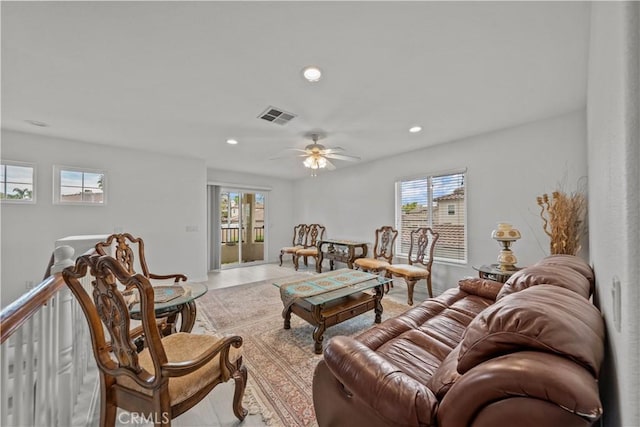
[{"x": 316, "y": 156}]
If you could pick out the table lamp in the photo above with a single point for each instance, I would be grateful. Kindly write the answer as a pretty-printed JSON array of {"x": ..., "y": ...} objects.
[{"x": 505, "y": 234}]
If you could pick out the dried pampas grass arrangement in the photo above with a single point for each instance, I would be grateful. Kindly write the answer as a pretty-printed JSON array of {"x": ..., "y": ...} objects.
[{"x": 563, "y": 217}]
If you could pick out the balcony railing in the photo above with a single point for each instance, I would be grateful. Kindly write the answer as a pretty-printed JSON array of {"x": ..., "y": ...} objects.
[
  {"x": 232, "y": 235},
  {"x": 46, "y": 355}
]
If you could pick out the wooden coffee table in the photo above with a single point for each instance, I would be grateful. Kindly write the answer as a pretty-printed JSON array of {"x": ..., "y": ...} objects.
[{"x": 330, "y": 298}]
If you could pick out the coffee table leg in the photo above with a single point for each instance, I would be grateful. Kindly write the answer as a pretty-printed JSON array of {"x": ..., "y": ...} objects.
[
  {"x": 378, "y": 308},
  {"x": 286, "y": 314},
  {"x": 318, "y": 333}
]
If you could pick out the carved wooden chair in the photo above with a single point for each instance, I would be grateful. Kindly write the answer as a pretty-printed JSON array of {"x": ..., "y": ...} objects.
[
  {"x": 171, "y": 374},
  {"x": 299, "y": 239},
  {"x": 123, "y": 247},
  {"x": 315, "y": 233},
  {"x": 382, "y": 251},
  {"x": 423, "y": 242}
]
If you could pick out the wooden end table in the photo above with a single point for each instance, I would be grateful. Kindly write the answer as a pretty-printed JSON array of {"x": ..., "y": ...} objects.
[
  {"x": 493, "y": 272},
  {"x": 346, "y": 251}
]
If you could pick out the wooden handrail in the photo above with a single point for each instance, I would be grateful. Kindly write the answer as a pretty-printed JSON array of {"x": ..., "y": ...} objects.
[{"x": 18, "y": 312}]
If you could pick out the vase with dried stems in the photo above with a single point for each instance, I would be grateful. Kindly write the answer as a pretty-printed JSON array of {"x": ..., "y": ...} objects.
[{"x": 563, "y": 217}]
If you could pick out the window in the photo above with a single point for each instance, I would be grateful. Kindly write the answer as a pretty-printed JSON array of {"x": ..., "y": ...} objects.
[
  {"x": 439, "y": 202},
  {"x": 17, "y": 182},
  {"x": 79, "y": 186}
]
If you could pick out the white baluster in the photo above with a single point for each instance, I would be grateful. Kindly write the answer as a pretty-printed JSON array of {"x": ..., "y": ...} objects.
[
  {"x": 4, "y": 356},
  {"x": 29, "y": 384},
  {"x": 18, "y": 380}
]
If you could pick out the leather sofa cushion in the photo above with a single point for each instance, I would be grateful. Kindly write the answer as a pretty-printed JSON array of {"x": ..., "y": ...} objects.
[
  {"x": 544, "y": 318},
  {"x": 482, "y": 287},
  {"x": 557, "y": 275},
  {"x": 418, "y": 340},
  {"x": 446, "y": 375},
  {"x": 573, "y": 262}
]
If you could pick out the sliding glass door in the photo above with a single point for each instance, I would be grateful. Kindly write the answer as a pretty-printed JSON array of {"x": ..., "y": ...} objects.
[{"x": 241, "y": 227}]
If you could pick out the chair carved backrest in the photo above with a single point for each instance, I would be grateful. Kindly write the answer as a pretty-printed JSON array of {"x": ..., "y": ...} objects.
[
  {"x": 315, "y": 233},
  {"x": 121, "y": 246},
  {"x": 423, "y": 243},
  {"x": 108, "y": 310},
  {"x": 299, "y": 234},
  {"x": 385, "y": 241}
]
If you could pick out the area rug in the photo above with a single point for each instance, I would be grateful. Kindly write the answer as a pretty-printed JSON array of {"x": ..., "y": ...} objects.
[{"x": 280, "y": 361}]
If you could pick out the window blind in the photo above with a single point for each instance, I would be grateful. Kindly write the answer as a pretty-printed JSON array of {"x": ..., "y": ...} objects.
[{"x": 436, "y": 201}]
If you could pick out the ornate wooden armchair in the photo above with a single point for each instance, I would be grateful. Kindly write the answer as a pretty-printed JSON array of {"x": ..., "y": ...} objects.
[
  {"x": 299, "y": 239},
  {"x": 171, "y": 374},
  {"x": 423, "y": 242},
  {"x": 382, "y": 251},
  {"x": 315, "y": 233},
  {"x": 121, "y": 246}
]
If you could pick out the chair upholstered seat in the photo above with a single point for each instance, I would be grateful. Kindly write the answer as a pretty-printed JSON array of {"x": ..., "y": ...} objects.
[
  {"x": 408, "y": 270},
  {"x": 181, "y": 347},
  {"x": 370, "y": 264},
  {"x": 307, "y": 252},
  {"x": 291, "y": 249}
]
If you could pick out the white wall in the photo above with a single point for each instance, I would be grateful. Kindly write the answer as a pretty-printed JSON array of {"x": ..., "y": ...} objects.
[
  {"x": 150, "y": 195},
  {"x": 279, "y": 205},
  {"x": 506, "y": 170},
  {"x": 614, "y": 188}
]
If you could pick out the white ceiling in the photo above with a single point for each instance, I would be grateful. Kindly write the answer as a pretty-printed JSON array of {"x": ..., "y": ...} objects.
[{"x": 182, "y": 77}]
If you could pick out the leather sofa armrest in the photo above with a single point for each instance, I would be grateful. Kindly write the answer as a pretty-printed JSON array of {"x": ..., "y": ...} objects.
[
  {"x": 545, "y": 389},
  {"x": 484, "y": 288},
  {"x": 388, "y": 391}
]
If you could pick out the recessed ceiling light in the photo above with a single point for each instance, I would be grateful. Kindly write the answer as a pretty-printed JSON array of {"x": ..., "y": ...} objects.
[
  {"x": 232, "y": 141},
  {"x": 37, "y": 123},
  {"x": 415, "y": 129},
  {"x": 312, "y": 74}
]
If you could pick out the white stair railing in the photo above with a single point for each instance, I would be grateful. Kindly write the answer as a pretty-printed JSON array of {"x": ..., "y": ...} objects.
[{"x": 46, "y": 353}]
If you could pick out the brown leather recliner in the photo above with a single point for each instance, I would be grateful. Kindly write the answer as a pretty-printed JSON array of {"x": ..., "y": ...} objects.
[{"x": 525, "y": 353}]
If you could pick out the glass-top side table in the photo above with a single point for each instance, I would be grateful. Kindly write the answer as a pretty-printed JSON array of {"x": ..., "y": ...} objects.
[
  {"x": 184, "y": 305},
  {"x": 494, "y": 272}
]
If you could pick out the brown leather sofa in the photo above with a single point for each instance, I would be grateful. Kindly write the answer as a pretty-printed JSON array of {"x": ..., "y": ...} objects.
[{"x": 526, "y": 353}]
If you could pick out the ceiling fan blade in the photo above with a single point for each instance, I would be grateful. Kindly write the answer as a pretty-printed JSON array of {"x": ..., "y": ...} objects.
[
  {"x": 287, "y": 152},
  {"x": 333, "y": 150},
  {"x": 330, "y": 166},
  {"x": 343, "y": 157}
]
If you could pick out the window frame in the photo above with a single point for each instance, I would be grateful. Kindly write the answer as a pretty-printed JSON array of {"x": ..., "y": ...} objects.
[
  {"x": 398, "y": 212},
  {"x": 57, "y": 183},
  {"x": 4, "y": 163}
]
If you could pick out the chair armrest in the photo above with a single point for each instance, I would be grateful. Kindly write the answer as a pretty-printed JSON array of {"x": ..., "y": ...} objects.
[
  {"x": 178, "y": 369},
  {"x": 177, "y": 277},
  {"x": 379, "y": 384},
  {"x": 569, "y": 391}
]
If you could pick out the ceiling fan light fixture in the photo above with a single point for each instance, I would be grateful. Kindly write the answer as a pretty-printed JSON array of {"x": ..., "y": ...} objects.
[
  {"x": 322, "y": 162},
  {"x": 308, "y": 162},
  {"x": 312, "y": 73},
  {"x": 415, "y": 129}
]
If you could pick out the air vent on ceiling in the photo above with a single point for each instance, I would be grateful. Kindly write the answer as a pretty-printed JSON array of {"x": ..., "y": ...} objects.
[{"x": 276, "y": 115}]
